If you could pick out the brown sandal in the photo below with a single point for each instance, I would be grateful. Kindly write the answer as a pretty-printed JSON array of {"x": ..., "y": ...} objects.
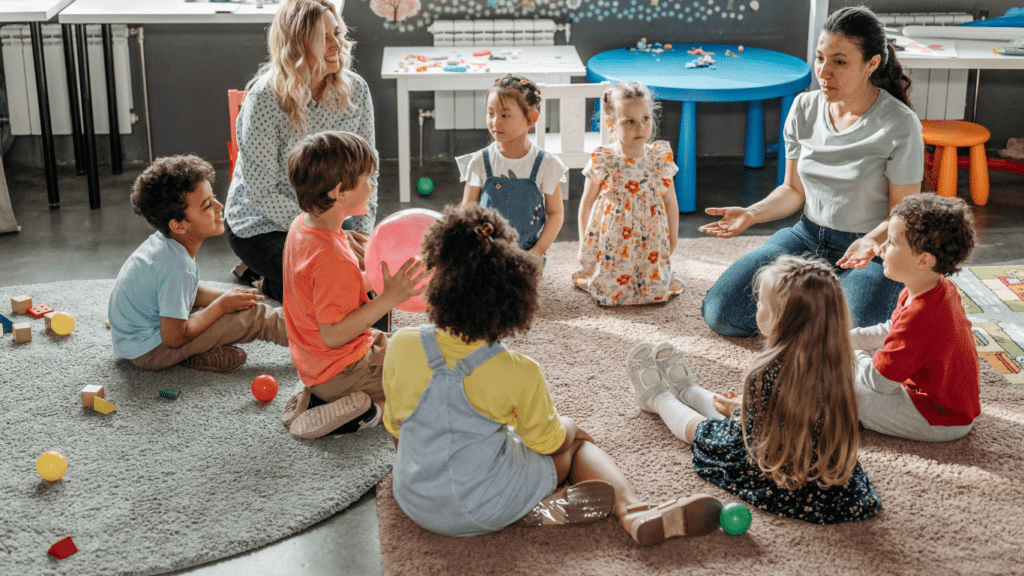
[{"x": 693, "y": 516}]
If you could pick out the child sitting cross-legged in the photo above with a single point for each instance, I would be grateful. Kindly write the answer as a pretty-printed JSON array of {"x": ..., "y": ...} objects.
[
  {"x": 917, "y": 374},
  {"x": 480, "y": 444},
  {"x": 160, "y": 314},
  {"x": 337, "y": 353}
]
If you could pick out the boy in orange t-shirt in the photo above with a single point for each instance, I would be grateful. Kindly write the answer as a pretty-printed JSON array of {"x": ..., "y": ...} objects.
[{"x": 328, "y": 314}]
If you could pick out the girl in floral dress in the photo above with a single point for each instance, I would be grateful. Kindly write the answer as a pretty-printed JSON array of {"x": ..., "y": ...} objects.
[{"x": 629, "y": 217}]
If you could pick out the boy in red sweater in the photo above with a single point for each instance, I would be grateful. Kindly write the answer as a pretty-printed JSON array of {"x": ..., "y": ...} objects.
[{"x": 922, "y": 382}]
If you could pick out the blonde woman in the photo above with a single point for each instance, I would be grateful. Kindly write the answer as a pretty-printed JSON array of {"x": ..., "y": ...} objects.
[
  {"x": 790, "y": 447},
  {"x": 306, "y": 88}
]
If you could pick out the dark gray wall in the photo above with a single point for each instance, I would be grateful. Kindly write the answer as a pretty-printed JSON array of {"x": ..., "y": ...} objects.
[{"x": 190, "y": 69}]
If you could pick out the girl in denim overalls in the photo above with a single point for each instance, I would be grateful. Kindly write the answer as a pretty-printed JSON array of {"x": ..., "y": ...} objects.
[
  {"x": 480, "y": 444},
  {"x": 512, "y": 175}
]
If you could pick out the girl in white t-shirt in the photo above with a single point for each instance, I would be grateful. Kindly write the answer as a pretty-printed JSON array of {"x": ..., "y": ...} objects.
[{"x": 512, "y": 175}]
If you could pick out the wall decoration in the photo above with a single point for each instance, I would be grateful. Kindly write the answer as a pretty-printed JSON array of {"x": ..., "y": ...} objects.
[{"x": 409, "y": 15}]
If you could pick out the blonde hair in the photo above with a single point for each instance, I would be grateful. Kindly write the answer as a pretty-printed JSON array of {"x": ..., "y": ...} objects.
[
  {"x": 622, "y": 92},
  {"x": 297, "y": 26},
  {"x": 806, "y": 428}
]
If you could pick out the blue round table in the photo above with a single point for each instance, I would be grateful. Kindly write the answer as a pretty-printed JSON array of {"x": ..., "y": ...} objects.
[{"x": 755, "y": 76}]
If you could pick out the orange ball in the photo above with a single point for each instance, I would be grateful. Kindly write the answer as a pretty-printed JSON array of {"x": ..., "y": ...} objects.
[
  {"x": 51, "y": 465},
  {"x": 264, "y": 388}
]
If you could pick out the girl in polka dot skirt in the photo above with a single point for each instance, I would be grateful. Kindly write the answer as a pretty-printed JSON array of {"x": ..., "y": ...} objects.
[
  {"x": 629, "y": 217},
  {"x": 788, "y": 445}
]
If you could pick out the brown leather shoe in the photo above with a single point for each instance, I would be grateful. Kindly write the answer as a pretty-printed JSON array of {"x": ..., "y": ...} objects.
[
  {"x": 220, "y": 360},
  {"x": 582, "y": 503},
  {"x": 693, "y": 516}
]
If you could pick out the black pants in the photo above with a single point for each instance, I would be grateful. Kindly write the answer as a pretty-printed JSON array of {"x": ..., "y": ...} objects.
[{"x": 262, "y": 253}]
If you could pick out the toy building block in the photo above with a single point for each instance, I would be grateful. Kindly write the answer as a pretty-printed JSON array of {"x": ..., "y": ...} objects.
[
  {"x": 102, "y": 406},
  {"x": 171, "y": 393},
  {"x": 62, "y": 323},
  {"x": 22, "y": 332},
  {"x": 21, "y": 304},
  {"x": 63, "y": 548},
  {"x": 6, "y": 325},
  {"x": 39, "y": 310},
  {"x": 47, "y": 318},
  {"x": 90, "y": 393}
]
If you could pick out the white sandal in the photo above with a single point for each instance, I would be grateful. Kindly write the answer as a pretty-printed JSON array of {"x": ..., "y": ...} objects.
[
  {"x": 644, "y": 375},
  {"x": 674, "y": 369}
]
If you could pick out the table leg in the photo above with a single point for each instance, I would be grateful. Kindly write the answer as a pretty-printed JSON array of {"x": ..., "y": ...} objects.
[
  {"x": 115, "y": 130},
  {"x": 780, "y": 169},
  {"x": 753, "y": 149},
  {"x": 404, "y": 154},
  {"x": 686, "y": 178},
  {"x": 88, "y": 129},
  {"x": 49, "y": 156},
  {"x": 67, "y": 33}
]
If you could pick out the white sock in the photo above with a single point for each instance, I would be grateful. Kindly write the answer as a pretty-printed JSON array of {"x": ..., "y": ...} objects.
[
  {"x": 701, "y": 400},
  {"x": 674, "y": 413}
]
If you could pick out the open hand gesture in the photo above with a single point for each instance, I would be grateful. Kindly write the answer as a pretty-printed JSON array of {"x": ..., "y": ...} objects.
[
  {"x": 734, "y": 221},
  {"x": 402, "y": 285},
  {"x": 860, "y": 253}
]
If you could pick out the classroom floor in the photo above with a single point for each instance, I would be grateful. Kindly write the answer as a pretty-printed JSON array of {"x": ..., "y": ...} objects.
[{"x": 76, "y": 243}]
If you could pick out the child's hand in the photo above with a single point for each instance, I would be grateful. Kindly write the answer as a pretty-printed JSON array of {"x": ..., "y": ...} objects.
[
  {"x": 402, "y": 285},
  {"x": 734, "y": 221},
  {"x": 727, "y": 403},
  {"x": 239, "y": 299},
  {"x": 860, "y": 253},
  {"x": 539, "y": 256}
]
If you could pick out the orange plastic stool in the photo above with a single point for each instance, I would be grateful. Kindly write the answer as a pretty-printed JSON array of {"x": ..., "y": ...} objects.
[{"x": 947, "y": 136}]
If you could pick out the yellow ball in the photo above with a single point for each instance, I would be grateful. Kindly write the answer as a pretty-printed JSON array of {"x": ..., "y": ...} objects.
[
  {"x": 62, "y": 323},
  {"x": 51, "y": 465}
]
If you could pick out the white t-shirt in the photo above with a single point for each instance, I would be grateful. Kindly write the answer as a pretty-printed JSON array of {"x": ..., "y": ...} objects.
[
  {"x": 550, "y": 174},
  {"x": 846, "y": 174}
]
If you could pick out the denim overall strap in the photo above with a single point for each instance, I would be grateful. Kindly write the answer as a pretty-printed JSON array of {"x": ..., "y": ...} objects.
[
  {"x": 434, "y": 357},
  {"x": 536, "y": 166},
  {"x": 476, "y": 358},
  {"x": 487, "y": 163}
]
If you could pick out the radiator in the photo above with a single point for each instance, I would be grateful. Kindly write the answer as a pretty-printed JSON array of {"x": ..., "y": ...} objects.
[
  {"x": 466, "y": 109},
  {"x": 934, "y": 94},
  {"x": 19, "y": 69}
]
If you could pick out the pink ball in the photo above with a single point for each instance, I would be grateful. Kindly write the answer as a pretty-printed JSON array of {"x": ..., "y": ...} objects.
[{"x": 396, "y": 239}]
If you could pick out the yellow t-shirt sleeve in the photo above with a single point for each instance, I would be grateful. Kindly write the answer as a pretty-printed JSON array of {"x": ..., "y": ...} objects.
[{"x": 536, "y": 419}]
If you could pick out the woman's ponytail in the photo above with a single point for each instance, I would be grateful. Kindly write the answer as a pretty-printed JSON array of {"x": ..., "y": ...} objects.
[{"x": 890, "y": 77}]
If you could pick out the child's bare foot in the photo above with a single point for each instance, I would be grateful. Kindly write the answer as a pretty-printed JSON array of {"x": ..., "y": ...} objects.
[{"x": 580, "y": 283}]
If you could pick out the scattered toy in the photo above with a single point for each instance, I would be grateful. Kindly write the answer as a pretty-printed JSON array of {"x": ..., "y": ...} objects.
[
  {"x": 51, "y": 466},
  {"x": 6, "y": 325},
  {"x": 740, "y": 48},
  {"x": 22, "y": 332},
  {"x": 62, "y": 549},
  {"x": 62, "y": 323},
  {"x": 21, "y": 304},
  {"x": 734, "y": 518},
  {"x": 39, "y": 310},
  {"x": 102, "y": 406},
  {"x": 484, "y": 52},
  {"x": 90, "y": 393},
  {"x": 455, "y": 68},
  {"x": 171, "y": 393},
  {"x": 703, "y": 62},
  {"x": 731, "y": 53},
  {"x": 264, "y": 387},
  {"x": 47, "y": 318},
  {"x": 424, "y": 186}
]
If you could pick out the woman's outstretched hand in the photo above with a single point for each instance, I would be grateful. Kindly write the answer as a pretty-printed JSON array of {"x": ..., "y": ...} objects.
[
  {"x": 860, "y": 253},
  {"x": 734, "y": 221}
]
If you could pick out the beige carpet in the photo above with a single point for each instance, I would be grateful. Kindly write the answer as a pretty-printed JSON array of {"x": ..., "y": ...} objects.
[{"x": 955, "y": 508}]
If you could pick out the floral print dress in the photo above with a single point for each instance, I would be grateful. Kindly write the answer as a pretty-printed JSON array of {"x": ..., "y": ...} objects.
[
  {"x": 720, "y": 457},
  {"x": 624, "y": 255}
]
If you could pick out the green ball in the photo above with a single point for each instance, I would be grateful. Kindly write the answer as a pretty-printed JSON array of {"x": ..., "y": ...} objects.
[
  {"x": 425, "y": 185},
  {"x": 734, "y": 518}
]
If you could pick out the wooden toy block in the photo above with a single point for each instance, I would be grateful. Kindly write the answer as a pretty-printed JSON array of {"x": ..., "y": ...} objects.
[
  {"x": 22, "y": 332},
  {"x": 21, "y": 304},
  {"x": 63, "y": 548},
  {"x": 90, "y": 393},
  {"x": 102, "y": 406},
  {"x": 6, "y": 325},
  {"x": 47, "y": 318},
  {"x": 39, "y": 310}
]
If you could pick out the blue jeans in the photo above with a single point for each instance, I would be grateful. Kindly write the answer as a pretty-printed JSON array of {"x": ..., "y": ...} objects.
[{"x": 729, "y": 307}]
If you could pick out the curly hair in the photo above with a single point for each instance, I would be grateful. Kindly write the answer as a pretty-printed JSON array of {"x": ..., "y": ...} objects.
[
  {"x": 296, "y": 27},
  {"x": 523, "y": 92},
  {"x": 618, "y": 94},
  {"x": 942, "y": 227},
  {"x": 483, "y": 286},
  {"x": 320, "y": 162},
  {"x": 860, "y": 25},
  {"x": 159, "y": 193}
]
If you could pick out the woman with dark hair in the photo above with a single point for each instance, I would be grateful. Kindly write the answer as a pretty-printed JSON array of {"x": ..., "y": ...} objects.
[
  {"x": 307, "y": 87},
  {"x": 853, "y": 151}
]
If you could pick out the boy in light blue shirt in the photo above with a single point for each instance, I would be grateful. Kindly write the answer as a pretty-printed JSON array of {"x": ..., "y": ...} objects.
[{"x": 160, "y": 314}]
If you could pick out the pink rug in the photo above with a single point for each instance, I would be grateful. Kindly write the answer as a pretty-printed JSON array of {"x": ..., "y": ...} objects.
[{"x": 946, "y": 508}]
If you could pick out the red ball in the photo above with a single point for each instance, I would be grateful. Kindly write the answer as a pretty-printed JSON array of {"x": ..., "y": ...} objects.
[{"x": 264, "y": 388}]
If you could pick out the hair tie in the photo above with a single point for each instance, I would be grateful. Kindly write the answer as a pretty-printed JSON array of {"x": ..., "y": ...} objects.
[{"x": 484, "y": 230}]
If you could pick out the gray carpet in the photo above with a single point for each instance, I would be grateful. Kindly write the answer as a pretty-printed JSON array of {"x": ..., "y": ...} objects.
[{"x": 159, "y": 484}]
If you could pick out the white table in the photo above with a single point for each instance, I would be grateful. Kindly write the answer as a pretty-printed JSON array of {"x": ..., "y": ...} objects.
[
  {"x": 547, "y": 64},
  {"x": 36, "y": 12}
]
